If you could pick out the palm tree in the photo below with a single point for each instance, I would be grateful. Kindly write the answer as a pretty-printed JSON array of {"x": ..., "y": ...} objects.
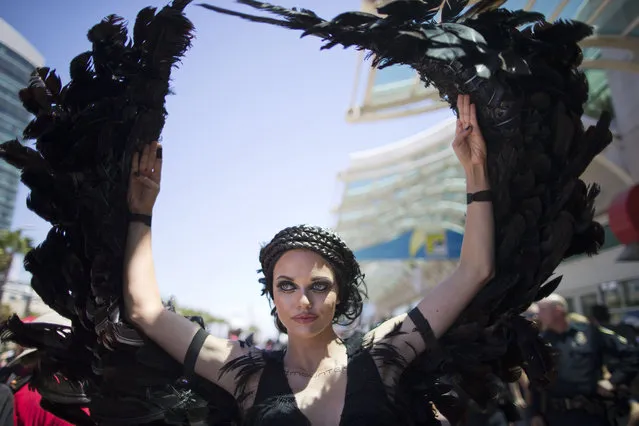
[{"x": 11, "y": 243}]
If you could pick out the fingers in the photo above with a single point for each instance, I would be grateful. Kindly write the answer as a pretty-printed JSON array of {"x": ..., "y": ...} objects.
[
  {"x": 144, "y": 159},
  {"x": 153, "y": 152},
  {"x": 473, "y": 116},
  {"x": 135, "y": 164},
  {"x": 467, "y": 111},
  {"x": 157, "y": 166},
  {"x": 150, "y": 161},
  {"x": 462, "y": 134}
]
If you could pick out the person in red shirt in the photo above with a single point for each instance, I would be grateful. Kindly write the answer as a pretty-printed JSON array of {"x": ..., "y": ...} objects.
[{"x": 27, "y": 410}]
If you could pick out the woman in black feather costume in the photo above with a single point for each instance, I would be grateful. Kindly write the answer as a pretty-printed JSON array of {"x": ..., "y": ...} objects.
[
  {"x": 523, "y": 74},
  {"x": 314, "y": 281},
  {"x": 529, "y": 96}
]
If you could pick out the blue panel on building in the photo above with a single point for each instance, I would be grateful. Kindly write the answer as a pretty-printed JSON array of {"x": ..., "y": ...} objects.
[{"x": 415, "y": 245}]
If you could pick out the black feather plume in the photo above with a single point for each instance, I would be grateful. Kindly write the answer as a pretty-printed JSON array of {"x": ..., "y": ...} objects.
[{"x": 86, "y": 133}]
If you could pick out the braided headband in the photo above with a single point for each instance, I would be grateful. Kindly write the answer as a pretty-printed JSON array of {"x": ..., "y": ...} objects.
[{"x": 321, "y": 241}]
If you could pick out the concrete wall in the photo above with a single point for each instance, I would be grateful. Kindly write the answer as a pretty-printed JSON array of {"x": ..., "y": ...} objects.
[{"x": 624, "y": 87}]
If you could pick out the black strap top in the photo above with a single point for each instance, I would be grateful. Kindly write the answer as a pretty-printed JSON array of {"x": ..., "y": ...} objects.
[{"x": 366, "y": 401}]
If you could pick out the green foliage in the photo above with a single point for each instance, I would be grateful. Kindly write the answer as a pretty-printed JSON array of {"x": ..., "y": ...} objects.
[
  {"x": 5, "y": 312},
  {"x": 12, "y": 242},
  {"x": 191, "y": 312},
  {"x": 208, "y": 317}
]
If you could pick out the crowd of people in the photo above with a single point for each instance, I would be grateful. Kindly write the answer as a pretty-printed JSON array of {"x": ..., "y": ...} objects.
[
  {"x": 20, "y": 404},
  {"x": 596, "y": 382}
]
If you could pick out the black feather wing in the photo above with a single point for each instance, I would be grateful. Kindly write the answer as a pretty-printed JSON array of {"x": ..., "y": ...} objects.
[{"x": 85, "y": 134}]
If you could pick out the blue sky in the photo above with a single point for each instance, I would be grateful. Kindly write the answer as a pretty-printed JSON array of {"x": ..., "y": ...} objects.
[{"x": 255, "y": 138}]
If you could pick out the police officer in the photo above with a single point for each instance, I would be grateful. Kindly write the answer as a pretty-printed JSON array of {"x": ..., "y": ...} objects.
[{"x": 580, "y": 395}]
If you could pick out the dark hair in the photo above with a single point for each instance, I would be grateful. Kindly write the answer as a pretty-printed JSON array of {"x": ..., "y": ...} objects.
[{"x": 350, "y": 280}]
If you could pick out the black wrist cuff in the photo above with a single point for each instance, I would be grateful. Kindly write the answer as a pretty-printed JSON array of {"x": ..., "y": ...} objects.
[
  {"x": 143, "y": 218},
  {"x": 485, "y": 195}
]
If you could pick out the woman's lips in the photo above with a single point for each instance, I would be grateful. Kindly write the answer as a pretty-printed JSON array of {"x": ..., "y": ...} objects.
[{"x": 304, "y": 319}]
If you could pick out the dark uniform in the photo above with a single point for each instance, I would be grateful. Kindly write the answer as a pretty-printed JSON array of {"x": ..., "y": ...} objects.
[
  {"x": 498, "y": 413},
  {"x": 583, "y": 350}
]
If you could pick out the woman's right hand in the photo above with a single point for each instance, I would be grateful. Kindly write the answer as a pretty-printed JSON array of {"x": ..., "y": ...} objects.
[{"x": 144, "y": 182}]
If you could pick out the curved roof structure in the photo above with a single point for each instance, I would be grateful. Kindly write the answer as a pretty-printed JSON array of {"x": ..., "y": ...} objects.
[
  {"x": 402, "y": 197},
  {"x": 397, "y": 91},
  {"x": 386, "y": 188}
]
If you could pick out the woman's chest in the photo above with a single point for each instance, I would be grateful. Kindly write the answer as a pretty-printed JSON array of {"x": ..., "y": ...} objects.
[
  {"x": 321, "y": 398},
  {"x": 353, "y": 395}
]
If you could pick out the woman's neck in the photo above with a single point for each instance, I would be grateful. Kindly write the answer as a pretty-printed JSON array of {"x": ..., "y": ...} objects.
[{"x": 311, "y": 354}]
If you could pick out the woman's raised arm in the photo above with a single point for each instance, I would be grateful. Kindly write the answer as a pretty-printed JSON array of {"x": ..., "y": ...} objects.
[
  {"x": 142, "y": 299},
  {"x": 443, "y": 304}
]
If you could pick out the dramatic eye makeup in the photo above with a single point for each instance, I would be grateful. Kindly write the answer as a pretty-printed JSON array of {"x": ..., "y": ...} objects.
[
  {"x": 286, "y": 285},
  {"x": 319, "y": 285}
]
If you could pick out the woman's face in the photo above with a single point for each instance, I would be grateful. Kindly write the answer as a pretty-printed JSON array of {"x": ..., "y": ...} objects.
[{"x": 305, "y": 293}]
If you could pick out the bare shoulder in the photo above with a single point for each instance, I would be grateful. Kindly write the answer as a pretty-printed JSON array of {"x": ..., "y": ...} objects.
[{"x": 235, "y": 365}]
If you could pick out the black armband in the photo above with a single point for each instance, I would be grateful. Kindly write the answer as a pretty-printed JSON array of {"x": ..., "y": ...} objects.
[
  {"x": 485, "y": 195},
  {"x": 143, "y": 218},
  {"x": 192, "y": 353}
]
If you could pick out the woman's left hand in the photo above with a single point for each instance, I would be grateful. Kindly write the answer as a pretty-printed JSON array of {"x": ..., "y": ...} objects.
[{"x": 469, "y": 144}]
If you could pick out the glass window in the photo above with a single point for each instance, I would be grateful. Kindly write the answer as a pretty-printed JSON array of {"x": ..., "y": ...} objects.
[
  {"x": 515, "y": 4},
  {"x": 610, "y": 294},
  {"x": 617, "y": 16},
  {"x": 18, "y": 74},
  {"x": 631, "y": 288},
  {"x": 586, "y": 9},
  {"x": 394, "y": 74},
  {"x": 13, "y": 121},
  {"x": 15, "y": 111},
  {"x": 587, "y": 302},
  {"x": 17, "y": 59},
  {"x": 599, "y": 96},
  {"x": 570, "y": 9}
]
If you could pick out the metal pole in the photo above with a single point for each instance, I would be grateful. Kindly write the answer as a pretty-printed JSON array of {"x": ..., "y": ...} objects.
[{"x": 27, "y": 305}]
